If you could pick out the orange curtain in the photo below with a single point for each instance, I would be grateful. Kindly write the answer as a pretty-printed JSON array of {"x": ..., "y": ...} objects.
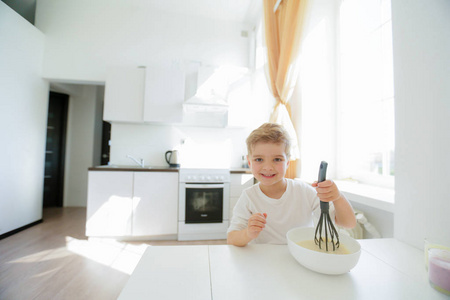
[{"x": 282, "y": 32}]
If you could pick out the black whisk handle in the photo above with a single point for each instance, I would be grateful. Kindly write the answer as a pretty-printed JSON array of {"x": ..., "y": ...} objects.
[
  {"x": 323, "y": 171},
  {"x": 324, "y": 207}
]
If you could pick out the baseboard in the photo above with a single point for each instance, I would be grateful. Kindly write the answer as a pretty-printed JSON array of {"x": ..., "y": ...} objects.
[{"x": 9, "y": 233}]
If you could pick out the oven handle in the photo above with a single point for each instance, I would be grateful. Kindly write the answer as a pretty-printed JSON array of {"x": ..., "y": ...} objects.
[{"x": 204, "y": 186}]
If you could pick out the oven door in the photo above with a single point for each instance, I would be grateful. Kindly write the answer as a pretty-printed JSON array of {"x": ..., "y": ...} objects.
[{"x": 202, "y": 203}]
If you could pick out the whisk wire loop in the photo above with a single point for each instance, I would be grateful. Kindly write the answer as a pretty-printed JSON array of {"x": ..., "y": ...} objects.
[
  {"x": 317, "y": 240},
  {"x": 326, "y": 232},
  {"x": 325, "y": 219}
]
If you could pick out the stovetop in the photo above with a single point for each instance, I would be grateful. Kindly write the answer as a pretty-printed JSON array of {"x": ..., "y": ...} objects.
[{"x": 204, "y": 175}]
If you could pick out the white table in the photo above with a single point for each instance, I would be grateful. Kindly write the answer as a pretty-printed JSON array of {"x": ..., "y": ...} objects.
[{"x": 387, "y": 269}]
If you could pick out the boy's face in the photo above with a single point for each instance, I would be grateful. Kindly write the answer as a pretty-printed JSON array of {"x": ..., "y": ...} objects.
[{"x": 268, "y": 162}]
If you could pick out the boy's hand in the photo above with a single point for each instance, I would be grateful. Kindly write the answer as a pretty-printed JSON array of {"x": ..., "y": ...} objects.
[
  {"x": 256, "y": 224},
  {"x": 327, "y": 191}
]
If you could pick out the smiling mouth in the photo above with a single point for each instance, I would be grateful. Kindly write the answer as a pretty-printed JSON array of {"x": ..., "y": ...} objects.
[{"x": 268, "y": 175}]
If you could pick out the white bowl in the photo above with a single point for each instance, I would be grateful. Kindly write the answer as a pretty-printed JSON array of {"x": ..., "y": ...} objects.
[{"x": 325, "y": 263}]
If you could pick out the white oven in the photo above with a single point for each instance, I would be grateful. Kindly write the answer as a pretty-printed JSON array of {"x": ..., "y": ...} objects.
[{"x": 204, "y": 201}]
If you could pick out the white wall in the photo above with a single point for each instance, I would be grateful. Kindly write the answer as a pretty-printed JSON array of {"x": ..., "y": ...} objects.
[
  {"x": 422, "y": 103},
  {"x": 83, "y": 140},
  {"x": 84, "y": 37},
  {"x": 23, "y": 121}
]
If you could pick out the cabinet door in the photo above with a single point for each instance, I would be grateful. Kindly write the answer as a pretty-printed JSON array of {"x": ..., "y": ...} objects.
[
  {"x": 124, "y": 94},
  {"x": 164, "y": 93},
  {"x": 155, "y": 203},
  {"x": 109, "y": 204}
]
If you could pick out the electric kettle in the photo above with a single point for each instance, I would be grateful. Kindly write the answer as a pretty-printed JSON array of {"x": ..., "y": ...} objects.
[{"x": 172, "y": 158}]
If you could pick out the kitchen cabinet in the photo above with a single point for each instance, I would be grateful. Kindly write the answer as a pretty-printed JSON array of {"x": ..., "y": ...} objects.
[
  {"x": 126, "y": 203},
  {"x": 124, "y": 94},
  {"x": 154, "y": 93},
  {"x": 109, "y": 204},
  {"x": 238, "y": 183},
  {"x": 155, "y": 201},
  {"x": 164, "y": 93}
]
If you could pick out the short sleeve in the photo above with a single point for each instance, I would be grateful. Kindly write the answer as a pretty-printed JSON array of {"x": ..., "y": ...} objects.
[{"x": 241, "y": 214}]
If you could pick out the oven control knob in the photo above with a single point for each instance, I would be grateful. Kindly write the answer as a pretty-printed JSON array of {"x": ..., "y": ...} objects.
[
  {"x": 217, "y": 178},
  {"x": 208, "y": 178},
  {"x": 202, "y": 178}
]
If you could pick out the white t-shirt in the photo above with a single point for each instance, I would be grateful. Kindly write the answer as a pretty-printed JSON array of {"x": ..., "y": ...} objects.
[{"x": 298, "y": 206}]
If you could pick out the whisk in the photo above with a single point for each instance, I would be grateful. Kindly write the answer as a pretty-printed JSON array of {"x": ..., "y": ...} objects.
[{"x": 325, "y": 225}]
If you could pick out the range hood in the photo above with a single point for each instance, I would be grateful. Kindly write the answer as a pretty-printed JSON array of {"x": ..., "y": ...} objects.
[
  {"x": 212, "y": 87},
  {"x": 196, "y": 104},
  {"x": 207, "y": 89},
  {"x": 211, "y": 91},
  {"x": 207, "y": 112}
]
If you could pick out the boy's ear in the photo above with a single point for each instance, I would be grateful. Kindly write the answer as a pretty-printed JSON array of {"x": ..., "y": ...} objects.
[{"x": 248, "y": 160}]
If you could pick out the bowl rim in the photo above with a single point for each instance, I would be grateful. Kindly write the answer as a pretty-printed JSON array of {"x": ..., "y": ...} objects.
[{"x": 313, "y": 251}]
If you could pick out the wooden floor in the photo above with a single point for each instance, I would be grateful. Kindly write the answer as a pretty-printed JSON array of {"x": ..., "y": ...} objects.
[{"x": 55, "y": 260}]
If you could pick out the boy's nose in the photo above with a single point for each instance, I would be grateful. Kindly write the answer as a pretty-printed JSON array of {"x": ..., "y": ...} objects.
[{"x": 267, "y": 166}]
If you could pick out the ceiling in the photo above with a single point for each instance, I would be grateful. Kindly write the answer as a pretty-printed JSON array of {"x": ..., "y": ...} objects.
[
  {"x": 242, "y": 11},
  {"x": 25, "y": 8},
  {"x": 245, "y": 11}
]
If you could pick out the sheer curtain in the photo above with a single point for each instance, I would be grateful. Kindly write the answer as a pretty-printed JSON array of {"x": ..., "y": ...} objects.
[{"x": 282, "y": 32}]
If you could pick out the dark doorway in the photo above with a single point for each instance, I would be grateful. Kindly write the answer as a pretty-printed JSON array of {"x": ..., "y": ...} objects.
[
  {"x": 55, "y": 150},
  {"x": 106, "y": 137}
]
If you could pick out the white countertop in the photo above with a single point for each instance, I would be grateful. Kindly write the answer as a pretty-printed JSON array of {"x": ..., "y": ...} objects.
[{"x": 387, "y": 269}]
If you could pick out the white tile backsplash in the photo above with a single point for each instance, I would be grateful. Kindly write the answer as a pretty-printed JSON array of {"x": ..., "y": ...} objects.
[{"x": 200, "y": 147}]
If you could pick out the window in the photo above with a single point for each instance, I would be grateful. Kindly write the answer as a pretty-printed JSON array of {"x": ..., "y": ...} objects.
[
  {"x": 343, "y": 106},
  {"x": 365, "y": 104}
]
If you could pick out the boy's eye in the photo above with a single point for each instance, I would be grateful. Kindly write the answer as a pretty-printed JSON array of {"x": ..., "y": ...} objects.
[
  {"x": 278, "y": 159},
  {"x": 258, "y": 159}
]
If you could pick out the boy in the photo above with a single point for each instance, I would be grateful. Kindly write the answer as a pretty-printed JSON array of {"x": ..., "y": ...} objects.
[{"x": 266, "y": 211}]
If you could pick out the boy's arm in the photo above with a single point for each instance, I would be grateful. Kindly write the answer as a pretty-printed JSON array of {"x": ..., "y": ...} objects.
[
  {"x": 256, "y": 224},
  {"x": 327, "y": 191},
  {"x": 345, "y": 216},
  {"x": 238, "y": 238}
]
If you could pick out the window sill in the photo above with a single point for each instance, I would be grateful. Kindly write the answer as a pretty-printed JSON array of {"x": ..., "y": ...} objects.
[{"x": 381, "y": 198}]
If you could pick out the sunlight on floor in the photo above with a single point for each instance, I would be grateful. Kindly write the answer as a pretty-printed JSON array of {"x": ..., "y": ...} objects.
[
  {"x": 42, "y": 256},
  {"x": 119, "y": 256},
  {"x": 47, "y": 273}
]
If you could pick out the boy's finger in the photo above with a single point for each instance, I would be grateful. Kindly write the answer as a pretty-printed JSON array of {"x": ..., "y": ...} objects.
[
  {"x": 259, "y": 216},
  {"x": 257, "y": 222},
  {"x": 325, "y": 183}
]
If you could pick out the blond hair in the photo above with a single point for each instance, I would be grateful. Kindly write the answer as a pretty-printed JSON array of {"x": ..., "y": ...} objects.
[{"x": 269, "y": 133}]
